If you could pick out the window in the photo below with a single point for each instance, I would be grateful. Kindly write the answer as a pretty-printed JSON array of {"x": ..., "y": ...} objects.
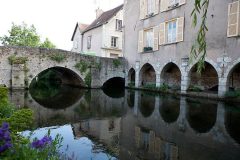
[
  {"x": 114, "y": 42},
  {"x": 149, "y": 39},
  {"x": 89, "y": 39},
  {"x": 166, "y": 5},
  {"x": 172, "y": 31},
  {"x": 150, "y": 7},
  {"x": 233, "y": 19},
  {"x": 118, "y": 25}
]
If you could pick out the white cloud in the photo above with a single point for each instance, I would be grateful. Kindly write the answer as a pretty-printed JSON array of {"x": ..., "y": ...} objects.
[{"x": 54, "y": 19}]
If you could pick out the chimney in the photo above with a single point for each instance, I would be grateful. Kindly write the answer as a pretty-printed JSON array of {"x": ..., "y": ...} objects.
[{"x": 98, "y": 12}]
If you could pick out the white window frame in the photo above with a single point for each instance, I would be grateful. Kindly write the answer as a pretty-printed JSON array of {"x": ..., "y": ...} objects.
[
  {"x": 118, "y": 25},
  {"x": 149, "y": 38},
  {"x": 150, "y": 7},
  {"x": 89, "y": 41},
  {"x": 173, "y": 2},
  {"x": 114, "y": 42},
  {"x": 171, "y": 31}
]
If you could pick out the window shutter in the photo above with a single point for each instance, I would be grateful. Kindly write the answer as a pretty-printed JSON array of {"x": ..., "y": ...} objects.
[
  {"x": 155, "y": 35},
  {"x": 156, "y": 11},
  {"x": 162, "y": 34},
  {"x": 233, "y": 19},
  {"x": 181, "y": 2},
  {"x": 140, "y": 41},
  {"x": 180, "y": 29},
  {"x": 141, "y": 9},
  {"x": 164, "y": 5},
  {"x": 137, "y": 136}
]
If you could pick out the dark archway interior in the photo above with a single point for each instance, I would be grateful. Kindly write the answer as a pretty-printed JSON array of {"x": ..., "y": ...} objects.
[
  {"x": 170, "y": 109},
  {"x": 232, "y": 121},
  {"x": 234, "y": 78},
  {"x": 114, "y": 87},
  {"x": 131, "y": 76},
  {"x": 206, "y": 81},
  {"x": 147, "y": 75},
  {"x": 56, "y": 88},
  {"x": 201, "y": 116},
  {"x": 147, "y": 104},
  {"x": 171, "y": 75},
  {"x": 131, "y": 98}
]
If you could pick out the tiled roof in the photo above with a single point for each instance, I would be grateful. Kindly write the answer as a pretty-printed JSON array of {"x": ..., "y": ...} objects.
[
  {"x": 103, "y": 18},
  {"x": 81, "y": 26}
]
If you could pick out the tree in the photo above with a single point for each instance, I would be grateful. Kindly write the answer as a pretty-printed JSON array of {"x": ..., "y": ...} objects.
[
  {"x": 23, "y": 35},
  {"x": 199, "y": 48},
  {"x": 47, "y": 44}
]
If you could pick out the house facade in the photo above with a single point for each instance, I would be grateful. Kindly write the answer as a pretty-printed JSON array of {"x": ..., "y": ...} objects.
[
  {"x": 158, "y": 38},
  {"x": 103, "y": 37}
]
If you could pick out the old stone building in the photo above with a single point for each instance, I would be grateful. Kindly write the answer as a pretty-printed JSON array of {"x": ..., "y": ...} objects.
[
  {"x": 103, "y": 37},
  {"x": 159, "y": 36}
]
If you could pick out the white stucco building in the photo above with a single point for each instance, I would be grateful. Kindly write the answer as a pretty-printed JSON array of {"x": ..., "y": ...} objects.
[{"x": 103, "y": 37}]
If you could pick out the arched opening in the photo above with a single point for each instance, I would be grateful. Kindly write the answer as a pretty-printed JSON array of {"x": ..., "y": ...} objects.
[
  {"x": 171, "y": 76},
  {"x": 131, "y": 77},
  {"x": 57, "y": 88},
  {"x": 147, "y": 104},
  {"x": 114, "y": 87},
  {"x": 232, "y": 121},
  {"x": 147, "y": 76},
  {"x": 170, "y": 109},
  {"x": 234, "y": 78},
  {"x": 201, "y": 116},
  {"x": 206, "y": 81}
]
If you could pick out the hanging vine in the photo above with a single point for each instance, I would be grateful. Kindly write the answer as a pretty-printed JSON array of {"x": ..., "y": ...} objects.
[{"x": 199, "y": 48}]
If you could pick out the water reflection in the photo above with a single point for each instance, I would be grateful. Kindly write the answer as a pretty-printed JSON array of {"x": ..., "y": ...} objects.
[
  {"x": 201, "y": 115},
  {"x": 170, "y": 109},
  {"x": 101, "y": 125}
]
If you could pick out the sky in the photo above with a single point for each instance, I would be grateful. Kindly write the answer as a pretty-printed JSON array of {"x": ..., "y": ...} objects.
[{"x": 55, "y": 19}]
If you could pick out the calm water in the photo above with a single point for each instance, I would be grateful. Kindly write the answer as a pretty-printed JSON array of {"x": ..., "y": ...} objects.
[{"x": 101, "y": 125}]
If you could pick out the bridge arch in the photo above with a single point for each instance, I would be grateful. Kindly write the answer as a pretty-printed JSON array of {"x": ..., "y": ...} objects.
[{"x": 147, "y": 75}]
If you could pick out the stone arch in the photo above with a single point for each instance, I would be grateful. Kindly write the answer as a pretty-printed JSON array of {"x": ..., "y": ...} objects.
[
  {"x": 208, "y": 80},
  {"x": 233, "y": 76},
  {"x": 131, "y": 77},
  {"x": 171, "y": 75},
  {"x": 147, "y": 75}
]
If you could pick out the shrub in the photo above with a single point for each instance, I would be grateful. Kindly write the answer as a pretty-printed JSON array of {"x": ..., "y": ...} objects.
[
  {"x": 82, "y": 66},
  {"x": 17, "y": 60},
  {"x": 88, "y": 79},
  {"x": 233, "y": 94},
  {"x": 58, "y": 57},
  {"x": 164, "y": 87},
  {"x": 116, "y": 63}
]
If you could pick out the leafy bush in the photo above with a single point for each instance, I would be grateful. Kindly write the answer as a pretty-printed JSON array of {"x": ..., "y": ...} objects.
[
  {"x": 195, "y": 89},
  {"x": 82, "y": 66},
  {"x": 233, "y": 94},
  {"x": 116, "y": 63},
  {"x": 164, "y": 87},
  {"x": 147, "y": 49},
  {"x": 58, "y": 57},
  {"x": 17, "y": 60},
  {"x": 88, "y": 79}
]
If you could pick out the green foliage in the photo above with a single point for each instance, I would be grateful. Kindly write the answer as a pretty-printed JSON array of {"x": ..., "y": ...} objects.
[
  {"x": 195, "y": 88},
  {"x": 13, "y": 59},
  {"x": 164, "y": 87},
  {"x": 116, "y": 63},
  {"x": 82, "y": 66},
  {"x": 47, "y": 44},
  {"x": 131, "y": 84},
  {"x": 24, "y": 35},
  {"x": 58, "y": 57},
  {"x": 150, "y": 86},
  {"x": 88, "y": 79},
  {"x": 199, "y": 48},
  {"x": 233, "y": 94}
]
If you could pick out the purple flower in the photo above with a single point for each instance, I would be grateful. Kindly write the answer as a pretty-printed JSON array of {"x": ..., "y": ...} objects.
[
  {"x": 5, "y": 137},
  {"x": 46, "y": 140}
]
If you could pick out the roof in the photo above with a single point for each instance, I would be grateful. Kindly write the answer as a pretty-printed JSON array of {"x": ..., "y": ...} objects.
[
  {"x": 103, "y": 18},
  {"x": 81, "y": 26}
]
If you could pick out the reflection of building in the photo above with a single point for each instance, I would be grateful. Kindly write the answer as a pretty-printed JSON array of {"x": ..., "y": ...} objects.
[{"x": 106, "y": 131}]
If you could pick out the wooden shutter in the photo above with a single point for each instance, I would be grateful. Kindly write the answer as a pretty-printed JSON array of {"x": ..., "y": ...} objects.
[
  {"x": 140, "y": 41},
  {"x": 141, "y": 9},
  {"x": 155, "y": 35},
  {"x": 180, "y": 29},
  {"x": 157, "y": 4},
  {"x": 233, "y": 19},
  {"x": 151, "y": 142},
  {"x": 164, "y": 5},
  {"x": 162, "y": 34},
  {"x": 137, "y": 136},
  {"x": 181, "y": 2}
]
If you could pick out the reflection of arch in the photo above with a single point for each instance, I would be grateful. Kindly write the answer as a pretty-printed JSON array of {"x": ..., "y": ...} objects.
[
  {"x": 131, "y": 76},
  {"x": 170, "y": 109},
  {"x": 207, "y": 80},
  {"x": 232, "y": 122},
  {"x": 201, "y": 116},
  {"x": 131, "y": 98},
  {"x": 147, "y": 104},
  {"x": 233, "y": 77},
  {"x": 147, "y": 75},
  {"x": 171, "y": 75},
  {"x": 114, "y": 87}
]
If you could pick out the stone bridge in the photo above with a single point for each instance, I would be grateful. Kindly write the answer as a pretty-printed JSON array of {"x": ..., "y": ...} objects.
[{"x": 20, "y": 65}]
